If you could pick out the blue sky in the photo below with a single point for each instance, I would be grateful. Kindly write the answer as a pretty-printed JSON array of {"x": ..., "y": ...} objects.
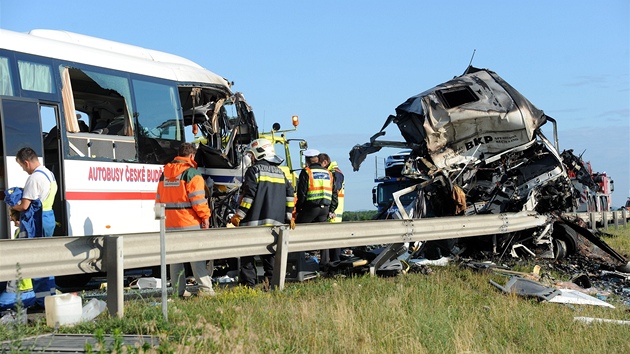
[{"x": 344, "y": 66}]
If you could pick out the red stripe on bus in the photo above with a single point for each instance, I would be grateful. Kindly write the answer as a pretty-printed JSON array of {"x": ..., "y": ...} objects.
[{"x": 110, "y": 195}]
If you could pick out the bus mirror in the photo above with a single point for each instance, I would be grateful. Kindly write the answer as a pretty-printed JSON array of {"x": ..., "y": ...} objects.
[
  {"x": 295, "y": 121},
  {"x": 275, "y": 127},
  {"x": 303, "y": 145}
]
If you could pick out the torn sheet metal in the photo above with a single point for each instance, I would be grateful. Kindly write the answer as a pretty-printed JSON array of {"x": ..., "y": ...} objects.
[
  {"x": 528, "y": 288},
  {"x": 442, "y": 262},
  {"x": 574, "y": 297}
]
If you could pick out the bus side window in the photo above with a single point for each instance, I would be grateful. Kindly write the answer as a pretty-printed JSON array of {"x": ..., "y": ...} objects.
[
  {"x": 104, "y": 100},
  {"x": 160, "y": 120}
]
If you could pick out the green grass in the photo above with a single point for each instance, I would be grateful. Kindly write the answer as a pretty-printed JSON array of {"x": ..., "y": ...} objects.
[{"x": 452, "y": 310}]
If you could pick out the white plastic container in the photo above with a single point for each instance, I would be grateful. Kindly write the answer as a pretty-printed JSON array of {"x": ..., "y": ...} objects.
[
  {"x": 149, "y": 283},
  {"x": 63, "y": 309},
  {"x": 92, "y": 309}
]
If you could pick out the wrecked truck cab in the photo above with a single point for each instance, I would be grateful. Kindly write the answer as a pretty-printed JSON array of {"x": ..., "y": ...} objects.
[
  {"x": 475, "y": 116},
  {"x": 471, "y": 117},
  {"x": 477, "y": 148},
  {"x": 482, "y": 135}
]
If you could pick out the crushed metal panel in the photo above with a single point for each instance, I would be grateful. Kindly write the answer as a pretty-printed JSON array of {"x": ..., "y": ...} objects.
[
  {"x": 574, "y": 297},
  {"x": 528, "y": 288},
  {"x": 475, "y": 114}
]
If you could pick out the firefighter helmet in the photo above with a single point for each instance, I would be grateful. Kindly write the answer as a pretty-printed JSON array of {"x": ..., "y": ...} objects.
[{"x": 263, "y": 149}]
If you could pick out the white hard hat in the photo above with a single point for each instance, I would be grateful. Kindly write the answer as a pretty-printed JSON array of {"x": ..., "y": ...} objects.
[
  {"x": 263, "y": 149},
  {"x": 311, "y": 153}
]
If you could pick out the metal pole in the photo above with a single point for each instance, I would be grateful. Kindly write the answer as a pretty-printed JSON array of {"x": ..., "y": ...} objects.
[
  {"x": 280, "y": 265},
  {"x": 115, "y": 275},
  {"x": 161, "y": 215}
]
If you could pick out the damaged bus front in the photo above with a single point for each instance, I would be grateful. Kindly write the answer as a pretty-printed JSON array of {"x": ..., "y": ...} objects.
[{"x": 476, "y": 148}]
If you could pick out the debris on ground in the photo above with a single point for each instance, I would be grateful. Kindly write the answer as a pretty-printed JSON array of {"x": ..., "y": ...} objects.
[{"x": 590, "y": 320}]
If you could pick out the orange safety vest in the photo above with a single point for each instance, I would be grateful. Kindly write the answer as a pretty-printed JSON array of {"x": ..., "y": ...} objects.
[{"x": 182, "y": 189}]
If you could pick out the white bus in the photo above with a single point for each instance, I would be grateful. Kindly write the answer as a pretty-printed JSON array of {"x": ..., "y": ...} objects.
[{"x": 105, "y": 117}]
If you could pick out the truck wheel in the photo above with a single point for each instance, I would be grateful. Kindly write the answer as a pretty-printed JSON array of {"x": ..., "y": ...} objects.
[
  {"x": 564, "y": 232},
  {"x": 560, "y": 248}
]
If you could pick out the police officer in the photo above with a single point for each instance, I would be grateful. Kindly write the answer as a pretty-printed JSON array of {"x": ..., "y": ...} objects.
[
  {"x": 333, "y": 167},
  {"x": 334, "y": 254},
  {"x": 316, "y": 195}
]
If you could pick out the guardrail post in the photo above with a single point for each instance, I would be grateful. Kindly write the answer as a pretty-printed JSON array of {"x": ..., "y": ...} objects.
[
  {"x": 280, "y": 263},
  {"x": 160, "y": 213},
  {"x": 624, "y": 216},
  {"x": 115, "y": 275},
  {"x": 593, "y": 220},
  {"x": 605, "y": 220},
  {"x": 616, "y": 219}
]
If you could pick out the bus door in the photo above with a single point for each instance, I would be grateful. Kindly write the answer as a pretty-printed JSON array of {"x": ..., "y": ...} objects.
[
  {"x": 25, "y": 123},
  {"x": 20, "y": 128},
  {"x": 53, "y": 157}
]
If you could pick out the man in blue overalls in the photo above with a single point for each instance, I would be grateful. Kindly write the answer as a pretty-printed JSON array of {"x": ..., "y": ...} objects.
[{"x": 36, "y": 209}]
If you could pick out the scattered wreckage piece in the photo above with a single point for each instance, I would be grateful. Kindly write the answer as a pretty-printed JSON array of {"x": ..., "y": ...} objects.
[
  {"x": 589, "y": 320},
  {"x": 531, "y": 288},
  {"x": 590, "y": 245},
  {"x": 528, "y": 288},
  {"x": 474, "y": 145},
  {"x": 575, "y": 297}
]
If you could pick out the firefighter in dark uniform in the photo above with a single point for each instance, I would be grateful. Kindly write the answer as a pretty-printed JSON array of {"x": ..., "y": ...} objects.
[{"x": 267, "y": 198}]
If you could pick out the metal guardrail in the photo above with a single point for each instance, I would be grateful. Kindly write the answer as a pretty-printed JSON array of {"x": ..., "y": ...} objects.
[
  {"x": 88, "y": 254},
  {"x": 594, "y": 219}
]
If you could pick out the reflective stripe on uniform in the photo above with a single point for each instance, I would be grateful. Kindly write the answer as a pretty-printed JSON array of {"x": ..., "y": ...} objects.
[
  {"x": 265, "y": 176},
  {"x": 199, "y": 201},
  {"x": 196, "y": 193},
  {"x": 180, "y": 205},
  {"x": 265, "y": 222},
  {"x": 247, "y": 203}
]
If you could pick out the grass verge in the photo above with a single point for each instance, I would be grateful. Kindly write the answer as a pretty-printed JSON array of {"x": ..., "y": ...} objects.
[{"x": 452, "y": 310}]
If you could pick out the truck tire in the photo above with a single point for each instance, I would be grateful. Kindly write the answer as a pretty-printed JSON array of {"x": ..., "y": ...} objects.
[{"x": 564, "y": 232}]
